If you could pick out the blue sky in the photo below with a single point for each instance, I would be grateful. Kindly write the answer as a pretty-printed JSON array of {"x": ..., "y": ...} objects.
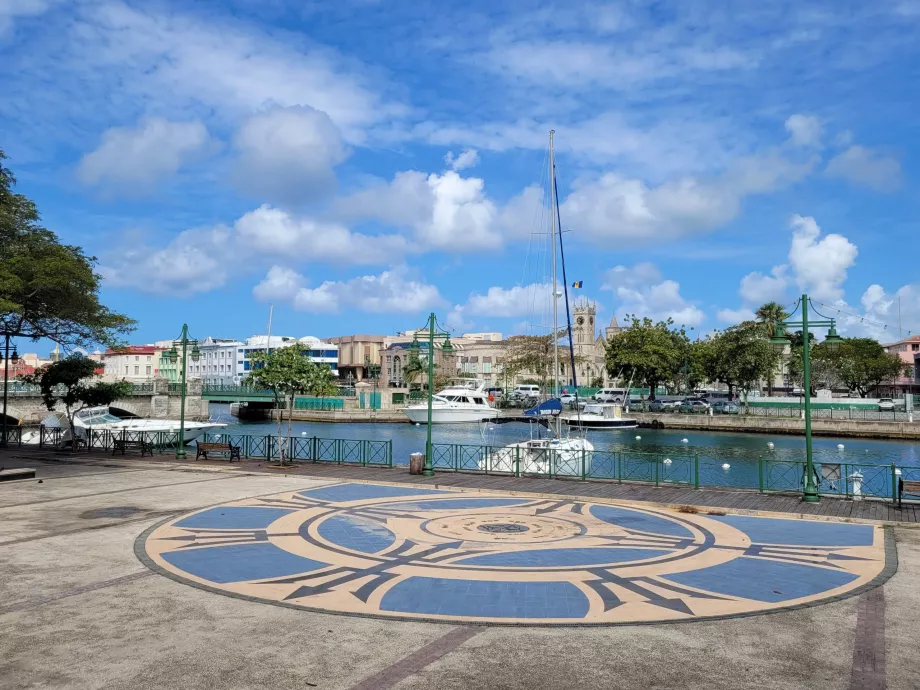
[{"x": 361, "y": 163}]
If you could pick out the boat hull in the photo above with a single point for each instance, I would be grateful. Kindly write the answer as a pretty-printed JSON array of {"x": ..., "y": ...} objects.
[
  {"x": 449, "y": 415},
  {"x": 602, "y": 424}
]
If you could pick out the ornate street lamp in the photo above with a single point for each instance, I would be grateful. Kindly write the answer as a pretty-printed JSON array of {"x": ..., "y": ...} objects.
[
  {"x": 6, "y": 382},
  {"x": 172, "y": 356},
  {"x": 446, "y": 348},
  {"x": 779, "y": 341}
]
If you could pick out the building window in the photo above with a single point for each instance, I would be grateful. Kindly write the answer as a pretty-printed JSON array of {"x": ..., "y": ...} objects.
[
  {"x": 915, "y": 348},
  {"x": 126, "y": 370},
  {"x": 148, "y": 370},
  {"x": 136, "y": 370},
  {"x": 137, "y": 358}
]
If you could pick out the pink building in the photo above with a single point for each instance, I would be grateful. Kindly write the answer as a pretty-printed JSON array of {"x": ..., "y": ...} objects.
[{"x": 908, "y": 350}]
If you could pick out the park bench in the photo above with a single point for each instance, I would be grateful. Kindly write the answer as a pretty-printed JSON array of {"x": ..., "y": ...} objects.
[
  {"x": 123, "y": 444},
  {"x": 907, "y": 487},
  {"x": 220, "y": 448}
]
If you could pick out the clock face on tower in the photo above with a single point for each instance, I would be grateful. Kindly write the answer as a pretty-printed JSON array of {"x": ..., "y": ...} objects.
[{"x": 580, "y": 320}]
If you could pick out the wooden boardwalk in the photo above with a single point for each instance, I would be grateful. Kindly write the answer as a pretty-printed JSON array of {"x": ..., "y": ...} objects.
[{"x": 707, "y": 497}]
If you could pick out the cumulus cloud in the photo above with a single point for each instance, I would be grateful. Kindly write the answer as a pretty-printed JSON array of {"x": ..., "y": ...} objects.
[
  {"x": 805, "y": 130},
  {"x": 640, "y": 290},
  {"x": 469, "y": 158},
  {"x": 446, "y": 212},
  {"x": 135, "y": 158},
  {"x": 819, "y": 264},
  {"x": 613, "y": 208},
  {"x": 735, "y": 316},
  {"x": 757, "y": 288},
  {"x": 288, "y": 155},
  {"x": 862, "y": 166},
  {"x": 393, "y": 291}
]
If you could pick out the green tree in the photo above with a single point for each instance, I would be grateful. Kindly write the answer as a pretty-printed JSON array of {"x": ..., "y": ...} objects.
[
  {"x": 648, "y": 352},
  {"x": 323, "y": 382},
  {"x": 286, "y": 371},
  {"x": 48, "y": 289},
  {"x": 863, "y": 364},
  {"x": 739, "y": 357},
  {"x": 529, "y": 354},
  {"x": 413, "y": 368},
  {"x": 767, "y": 315},
  {"x": 70, "y": 382}
]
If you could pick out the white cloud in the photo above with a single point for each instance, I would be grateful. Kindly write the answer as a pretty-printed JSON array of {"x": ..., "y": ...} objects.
[
  {"x": 735, "y": 316},
  {"x": 136, "y": 157},
  {"x": 757, "y": 288},
  {"x": 195, "y": 261},
  {"x": 819, "y": 264},
  {"x": 499, "y": 302},
  {"x": 863, "y": 166},
  {"x": 10, "y": 10},
  {"x": 641, "y": 291},
  {"x": 805, "y": 130},
  {"x": 287, "y": 155},
  {"x": 882, "y": 313},
  {"x": 271, "y": 231},
  {"x": 393, "y": 291},
  {"x": 446, "y": 212},
  {"x": 469, "y": 158},
  {"x": 616, "y": 209}
]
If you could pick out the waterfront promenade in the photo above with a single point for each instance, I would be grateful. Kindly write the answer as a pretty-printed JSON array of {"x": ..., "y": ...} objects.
[{"x": 81, "y": 610}]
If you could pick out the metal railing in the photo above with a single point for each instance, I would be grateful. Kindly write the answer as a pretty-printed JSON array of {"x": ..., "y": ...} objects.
[
  {"x": 319, "y": 404},
  {"x": 853, "y": 413},
  {"x": 310, "y": 448}
]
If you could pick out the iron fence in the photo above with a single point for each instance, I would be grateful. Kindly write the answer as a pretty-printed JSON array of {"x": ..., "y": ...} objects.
[{"x": 339, "y": 451}]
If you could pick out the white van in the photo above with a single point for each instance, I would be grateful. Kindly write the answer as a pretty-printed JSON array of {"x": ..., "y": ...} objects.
[
  {"x": 611, "y": 395},
  {"x": 526, "y": 390}
]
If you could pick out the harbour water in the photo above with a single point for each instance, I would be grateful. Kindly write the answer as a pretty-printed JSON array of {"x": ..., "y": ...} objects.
[{"x": 740, "y": 452}]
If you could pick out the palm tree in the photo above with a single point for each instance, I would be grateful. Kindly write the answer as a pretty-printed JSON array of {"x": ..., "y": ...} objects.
[{"x": 767, "y": 316}]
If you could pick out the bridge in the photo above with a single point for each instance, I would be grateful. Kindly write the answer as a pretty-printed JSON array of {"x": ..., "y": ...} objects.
[
  {"x": 157, "y": 399},
  {"x": 231, "y": 393}
]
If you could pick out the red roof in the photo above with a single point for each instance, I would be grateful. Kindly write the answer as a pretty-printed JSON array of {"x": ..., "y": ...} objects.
[{"x": 133, "y": 350}]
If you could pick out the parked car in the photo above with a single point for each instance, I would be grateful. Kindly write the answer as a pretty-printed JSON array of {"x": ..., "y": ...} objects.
[
  {"x": 610, "y": 395},
  {"x": 657, "y": 406},
  {"x": 567, "y": 399},
  {"x": 726, "y": 407},
  {"x": 694, "y": 406},
  {"x": 524, "y": 392},
  {"x": 886, "y": 405}
]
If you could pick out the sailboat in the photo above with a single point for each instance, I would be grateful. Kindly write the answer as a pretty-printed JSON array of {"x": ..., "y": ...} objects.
[{"x": 557, "y": 454}]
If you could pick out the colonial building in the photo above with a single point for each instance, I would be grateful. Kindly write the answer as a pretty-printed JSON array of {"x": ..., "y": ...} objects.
[
  {"x": 135, "y": 363},
  {"x": 589, "y": 345},
  {"x": 908, "y": 349}
]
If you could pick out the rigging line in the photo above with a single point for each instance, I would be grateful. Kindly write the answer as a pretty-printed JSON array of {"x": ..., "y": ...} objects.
[
  {"x": 862, "y": 319},
  {"x": 565, "y": 283}
]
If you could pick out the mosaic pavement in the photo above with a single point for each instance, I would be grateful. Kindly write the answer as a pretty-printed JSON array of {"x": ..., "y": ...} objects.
[{"x": 405, "y": 552}]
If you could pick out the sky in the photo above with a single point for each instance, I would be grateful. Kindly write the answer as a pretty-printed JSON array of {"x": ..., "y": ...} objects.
[{"x": 361, "y": 163}]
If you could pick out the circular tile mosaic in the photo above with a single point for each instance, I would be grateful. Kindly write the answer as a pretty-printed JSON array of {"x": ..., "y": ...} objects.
[{"x": 413, "y": 553}]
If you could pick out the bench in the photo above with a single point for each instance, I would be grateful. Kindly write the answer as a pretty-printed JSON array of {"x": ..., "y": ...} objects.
[
  {"x": 907, "y": 487},
  {"x": 219, "y": 448},
  {"x": 121, "y": 445}
]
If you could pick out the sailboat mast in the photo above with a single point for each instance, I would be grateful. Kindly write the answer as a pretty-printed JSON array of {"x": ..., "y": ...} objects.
[{"x": 552, "y": 194}]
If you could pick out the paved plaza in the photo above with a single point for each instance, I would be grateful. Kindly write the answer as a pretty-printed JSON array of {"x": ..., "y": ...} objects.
[{"x": 128, "y": 574}]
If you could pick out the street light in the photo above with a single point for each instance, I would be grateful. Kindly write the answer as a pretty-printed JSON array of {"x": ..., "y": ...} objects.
[
  {"x": 373, "y": 371},
  {"x": 446, "y": 348},
  {"x": 6, "y": 383},
  {"x": 172, "y": 356},
  {"x": 779, "y": 341}
]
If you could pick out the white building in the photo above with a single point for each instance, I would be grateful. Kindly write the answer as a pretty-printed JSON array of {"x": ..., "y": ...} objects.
[
  {"x": 314, "y": 348},
  {"x": 218, "y": 362},
  {"x": 135, "y": 363}
]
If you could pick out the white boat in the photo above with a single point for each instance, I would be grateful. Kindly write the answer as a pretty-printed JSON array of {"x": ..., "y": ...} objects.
[
  {"x": 600, "y": 416},
  {"x": 101, "y": 419},
  {"x": 556, "y": 455},
  {"x": 461, "y": 403}
]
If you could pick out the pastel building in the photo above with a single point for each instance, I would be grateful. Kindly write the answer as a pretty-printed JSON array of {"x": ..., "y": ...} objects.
[{"x": 135, "y": 363}]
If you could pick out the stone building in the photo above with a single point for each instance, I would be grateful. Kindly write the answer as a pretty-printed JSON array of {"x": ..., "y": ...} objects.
[{"x": 589, "y": 343}]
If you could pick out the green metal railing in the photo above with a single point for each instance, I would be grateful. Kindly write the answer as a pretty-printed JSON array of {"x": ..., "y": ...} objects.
[
  {"x": 319, "y": 404},
  {"x": 310, "y": 448}
]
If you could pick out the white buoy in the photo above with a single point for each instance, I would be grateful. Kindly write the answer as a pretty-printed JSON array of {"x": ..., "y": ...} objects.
[
  {"x": 217, "y": 436},
  {"x": 840, "y": 446},
  {"x": 770, "y": 444},
  {"x": 667, "y": 461},
  {"x": 417, "y": 424},
  {"x": 303, "y": 433},
  {"x": 897, "y": 472},
  {"x": 726, "y": 466},
  {"x": 638, "y": 438},
  {"x": 685, "y": 440}
]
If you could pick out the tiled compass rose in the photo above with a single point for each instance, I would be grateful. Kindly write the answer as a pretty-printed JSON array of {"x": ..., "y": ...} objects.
[{"x": 411, "y": 553}]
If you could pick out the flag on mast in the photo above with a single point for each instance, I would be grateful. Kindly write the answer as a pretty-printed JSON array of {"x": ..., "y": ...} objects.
[{"x": 578, "y": 283}]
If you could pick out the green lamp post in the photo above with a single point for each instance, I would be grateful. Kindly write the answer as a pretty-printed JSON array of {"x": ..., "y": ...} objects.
[
  {"x": 7, "y": 358},
  {"x": 172, "y": 356},
  {"x": 373, "y": 371},
  {"x": 779, "y": 341},
  {"x": 446, "y": 348}
]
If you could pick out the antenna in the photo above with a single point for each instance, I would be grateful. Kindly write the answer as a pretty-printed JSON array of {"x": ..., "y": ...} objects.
[{"x": 268, "y": 342}]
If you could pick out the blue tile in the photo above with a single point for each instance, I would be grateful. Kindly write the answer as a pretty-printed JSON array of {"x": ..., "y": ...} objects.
[
  {"x": 359, "y": 534},
  {"x": 762, "y": 580},
  {"x": 643, "y": 522},
  {"x": 234, "y": 517},
  {"x": 433, "y": 596},
  {"x": 543, "y": 558},
  {"x": 340, "y": 493},
  {"x": 240, "y": 562},
  {"x": 460, "y": 503},
  {"x": 799, "y": 532}
]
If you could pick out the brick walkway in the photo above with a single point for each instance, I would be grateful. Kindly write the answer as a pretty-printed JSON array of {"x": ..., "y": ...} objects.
[{"x": 671, "y": 495}]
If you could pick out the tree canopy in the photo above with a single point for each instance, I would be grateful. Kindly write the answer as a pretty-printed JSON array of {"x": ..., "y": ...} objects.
[
  {"x": 647, "y": 352},
  {"x": 862, "y": 364},
  {"x": 739, "y": 356},
  {"x": 70, "y": 382},
  {"x": 48, "y": 289}
]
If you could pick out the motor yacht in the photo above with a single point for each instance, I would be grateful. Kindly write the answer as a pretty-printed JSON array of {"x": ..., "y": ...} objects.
[
  {"x": 461, "y": 403},
  {"x": 101, "y": 419},
  {"x": 600, "y": 416}
]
